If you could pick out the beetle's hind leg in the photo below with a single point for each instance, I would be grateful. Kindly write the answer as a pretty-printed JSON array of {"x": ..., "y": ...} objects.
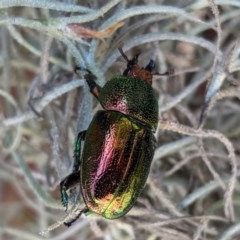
[
  {"x": 68, "y": 182},
  {"x": 68, "y": 224},
  {"x": 91, "y": 81},
  {"x": 74, "y": 178}
]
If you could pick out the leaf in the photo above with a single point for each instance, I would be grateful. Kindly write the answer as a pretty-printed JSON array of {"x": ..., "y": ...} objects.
[{"x": 83, "y": 32}]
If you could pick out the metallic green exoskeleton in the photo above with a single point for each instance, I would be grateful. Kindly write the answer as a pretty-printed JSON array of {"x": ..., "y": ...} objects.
[{"x": 119, "y": 143}]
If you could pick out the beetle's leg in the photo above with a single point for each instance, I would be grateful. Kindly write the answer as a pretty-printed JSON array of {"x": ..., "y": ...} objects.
[
  {"x": 74, "y": 178},
  {"x": 68, "y": 182},
  {"x": 93, "y": 86},
  {"x": 77, "y": 151},
  {"x": 91, "y": 81},
  {"x": 68, "y": 224}
]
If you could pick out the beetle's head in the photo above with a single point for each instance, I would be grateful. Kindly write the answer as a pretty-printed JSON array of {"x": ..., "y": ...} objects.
[{"x": 133, "y": 69}]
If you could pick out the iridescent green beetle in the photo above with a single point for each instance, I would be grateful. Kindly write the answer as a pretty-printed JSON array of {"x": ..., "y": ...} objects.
[{"x": 119, "y": 143}]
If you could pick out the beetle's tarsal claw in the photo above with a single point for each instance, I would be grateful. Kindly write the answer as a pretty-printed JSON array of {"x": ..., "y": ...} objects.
[
  {"x": 77, "y": 68},
  {"x": 68, "y": 224}
]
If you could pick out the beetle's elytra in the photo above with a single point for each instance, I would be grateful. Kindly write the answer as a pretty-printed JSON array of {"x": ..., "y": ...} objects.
[{"x": 119, "y": 143}]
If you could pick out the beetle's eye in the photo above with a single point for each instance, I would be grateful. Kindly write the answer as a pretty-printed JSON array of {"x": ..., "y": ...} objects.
[{"x": 150, "y": 66}]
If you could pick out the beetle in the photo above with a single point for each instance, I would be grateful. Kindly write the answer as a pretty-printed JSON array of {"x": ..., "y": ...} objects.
[{"x": 113, "y": 165}]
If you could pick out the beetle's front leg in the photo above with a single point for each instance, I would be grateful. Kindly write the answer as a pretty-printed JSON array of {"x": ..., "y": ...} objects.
[
  {"x": 93, "y": 86},
  {"x": 91, "y": 81}
]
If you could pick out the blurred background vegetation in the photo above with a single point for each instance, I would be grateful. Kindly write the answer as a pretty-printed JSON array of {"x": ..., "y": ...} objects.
[{"x": 192, "y": 191}]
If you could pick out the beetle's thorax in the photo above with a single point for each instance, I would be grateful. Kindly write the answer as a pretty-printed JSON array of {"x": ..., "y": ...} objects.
[
  {"x": 132, "y": 93},
  {"x": 132, "y": 96},
  {"x": 141, "y": 73}
]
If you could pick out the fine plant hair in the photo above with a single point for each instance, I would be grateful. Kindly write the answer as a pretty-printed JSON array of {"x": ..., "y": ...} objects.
[{"x": 192, "y": 189}]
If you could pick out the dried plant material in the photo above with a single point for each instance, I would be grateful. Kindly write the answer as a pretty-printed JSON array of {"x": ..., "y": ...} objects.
[
  {"x": 183, "y": 198},
  {"x": 175, "y": 127},
  {"x": 216, "y": 14},
  {"x": 83, "y": 32}
]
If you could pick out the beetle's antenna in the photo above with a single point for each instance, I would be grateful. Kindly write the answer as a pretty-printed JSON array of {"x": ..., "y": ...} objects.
[
  {"x": 78, "y": 68},
  {"x": 123, "y": 54},
  {"x": 136, "y": 57}
]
